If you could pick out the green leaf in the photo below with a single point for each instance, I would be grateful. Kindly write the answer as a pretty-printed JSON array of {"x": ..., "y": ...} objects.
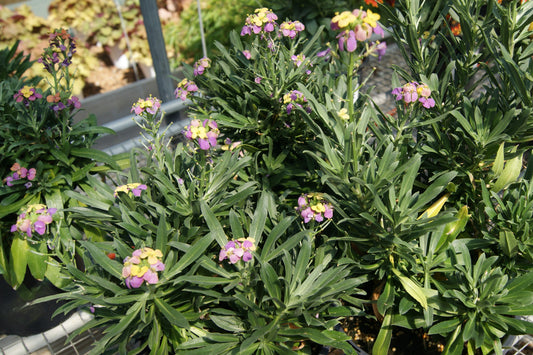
[
  {"x": 95, "y": 155},
  {"x": 510, "y": 173},
  {"x": 382, "y": 343},
  {"x": 113, "y": 267},
  {"x": 192, "y": 255},
  {"x": 445, "y": 327},
  {"x": 508, "y": 243},
  {"x": 228, "y": 323},
  {"x": 19, "y": 259},
  {"x": 497, "y": 167},
  {"x": 259, "y": 219},
  {"x": 412, "y": 289},
  {"x": 162, "y": 234},
  {"x": 214, "y": 225},
  {"x": 37, "y": 259},
  {"x": 171, "y": 314},
  {"x": 271, "y": 281}
]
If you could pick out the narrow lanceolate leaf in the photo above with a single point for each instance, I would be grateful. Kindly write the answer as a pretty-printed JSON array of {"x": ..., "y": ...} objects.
[
  {"x": 497, "y": 166},
  {"x": 382, "y": 343},
  {"x": 412, "y": 289},
  {"x": 171, "y": 314},
  {"x": 214, "y": 225},
  {"x": 435, "y": 208}
]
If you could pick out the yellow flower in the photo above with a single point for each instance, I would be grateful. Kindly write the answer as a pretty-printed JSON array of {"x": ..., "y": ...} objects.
[
  {"x": 371, "y": 18},
  {"x": 152, "y": 255},
  {"x": 343, "y": 114},
  {"x": 318, "y": 208},
  {"x": 26, "y": 92},
  {"x": 344, "y": 19},
  {"x": 139, "y": 271}
]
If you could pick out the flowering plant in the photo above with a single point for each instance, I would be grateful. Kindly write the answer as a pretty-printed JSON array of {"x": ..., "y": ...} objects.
[
  {"x": 29, "y": 247},
  {"x": 421, "y": 222},
  {"x": 45, "y": 153}
]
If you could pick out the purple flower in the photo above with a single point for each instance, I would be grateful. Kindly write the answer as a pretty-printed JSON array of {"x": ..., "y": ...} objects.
[
  {"x": 258, "y": 80},
  {"x": 134, "y": 188},
  {"x": 313, "y": 207},
  {"x": 381, "y": 48},
  {"x": 247, "y": 54},
  {"x": 235, "y": 250},
  {"x": 33, "y": 218},
  {"x": 149, "y": 105},
  {"x": 143, "y": 265},
  {"x": 294, "y": 99},
  {"x": 291, "y": 28},
  {"x": 74, "y": 101},
  {"x": 26, "y": 95},
  {"x": 263, "y": 20},
  {"x": 414, "y": 92},
  {"x": 201, "y": 65},
  {"x": 185, "y": 87},
  {"x": 205, "y": 133}
]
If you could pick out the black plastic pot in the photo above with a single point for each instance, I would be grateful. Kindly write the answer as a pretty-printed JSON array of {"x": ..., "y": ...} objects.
[{"x": 19, "y": 316}]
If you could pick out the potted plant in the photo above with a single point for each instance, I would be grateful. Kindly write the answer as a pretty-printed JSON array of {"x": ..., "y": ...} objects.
[{"x": 294, "y": 203}]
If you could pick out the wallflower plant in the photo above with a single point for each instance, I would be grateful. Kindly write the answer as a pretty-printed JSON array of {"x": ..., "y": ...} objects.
[
  {"x": 421, "y": 222},
  {"x": 48, "y": 151}
]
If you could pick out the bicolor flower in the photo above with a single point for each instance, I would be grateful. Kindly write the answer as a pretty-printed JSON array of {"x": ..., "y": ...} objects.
[
  {"x": 312, "y": 206},
  {"x": 34, "y": 218},
  {"x": 185, "y": 87},
  {"x": 201, "y": 65},
  {"x": 134, "y": 188},
  {"x": 26, "y": 95},
  {"x": 291, "y": 28},
  {"x": 263, "y": 20},
  {"x": 206, "y": 133},
  {"x": 20, "y": 173},
  {"x": 294, "y": 99},
  {"x": 150, "y": 105},
  {"x": 413, "y": 92},
  {"x": 142, "y": 266},
  {"x": 355, "y": 26},
  {"x": 235, "y": 250},
  {"x": 298, "y": 59}
]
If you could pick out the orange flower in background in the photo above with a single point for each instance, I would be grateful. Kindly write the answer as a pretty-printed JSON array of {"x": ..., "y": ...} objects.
[{"x": 373, "y": 2}]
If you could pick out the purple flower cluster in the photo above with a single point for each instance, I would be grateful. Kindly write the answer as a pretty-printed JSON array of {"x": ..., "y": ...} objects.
[
  {"x": 20, "y": 173},
  {"x": 60, "y": 51},
  {"x": 294, "y": 99},
  {"x": 235, "y": 250},
  {"x": 34, "y": 218},
  {"x": 313, "y": 207},
  {"x": 142, "y": 266},
  {"x": 150, "y": 105},
  {"x": 291, "y": 28},
  {"x": 354, "y": 26},
  {"x": 206, "y": 133},
  {"x": 201, "y": 65},
  {"x": 58, "y": 105},
  {"x": 134, "y": 188},
  {"x": 413, "y": 92},
  {"x": 26, "y": 95},
  {"x": 185, "y": 87},
  {"x": 263, "y": 20}
]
